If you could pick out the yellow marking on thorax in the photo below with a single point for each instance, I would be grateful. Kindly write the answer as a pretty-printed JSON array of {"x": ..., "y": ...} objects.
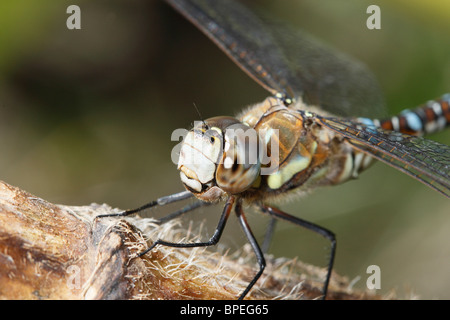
[{"x": 294, "y": 166}]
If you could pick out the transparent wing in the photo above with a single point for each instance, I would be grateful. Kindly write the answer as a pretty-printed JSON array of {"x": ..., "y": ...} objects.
[
  {"x": 285, "y": 60},
  {"x": 425, "y": 160}
]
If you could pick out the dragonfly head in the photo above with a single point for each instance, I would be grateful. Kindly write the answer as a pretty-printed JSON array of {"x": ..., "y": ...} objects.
[{"x": 219, "y": 157}]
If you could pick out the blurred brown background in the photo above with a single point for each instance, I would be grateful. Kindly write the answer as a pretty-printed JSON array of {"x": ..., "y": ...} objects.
[{"x": 86, "y": 116}]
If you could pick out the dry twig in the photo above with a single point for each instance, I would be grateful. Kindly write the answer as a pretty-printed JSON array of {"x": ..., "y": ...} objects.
[{"x": 50, "y": 251}]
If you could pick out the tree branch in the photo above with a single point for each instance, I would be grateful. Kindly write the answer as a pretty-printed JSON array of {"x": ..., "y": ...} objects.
[{"x": 50, "y": 251}]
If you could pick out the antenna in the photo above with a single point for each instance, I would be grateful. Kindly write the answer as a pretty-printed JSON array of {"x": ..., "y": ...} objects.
[{"x": 199, "y": 114}]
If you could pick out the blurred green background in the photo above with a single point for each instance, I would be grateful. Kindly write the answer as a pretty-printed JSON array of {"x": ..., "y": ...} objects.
[{"x": 86, "y": 116}]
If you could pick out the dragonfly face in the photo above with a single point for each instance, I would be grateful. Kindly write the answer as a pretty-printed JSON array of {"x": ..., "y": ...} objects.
[{"x": 216, "y": 160}]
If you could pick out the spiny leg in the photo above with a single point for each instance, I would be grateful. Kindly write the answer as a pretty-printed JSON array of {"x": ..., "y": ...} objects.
[
  {"x": 212, "y": 241},
  {"x": 159, "y": 202},
  {"x": 310, "y": 226},
  {"x": 251, "y": 238}
]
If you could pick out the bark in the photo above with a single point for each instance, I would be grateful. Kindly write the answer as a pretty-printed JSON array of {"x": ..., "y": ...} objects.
[{"x": 50, "y": 251}]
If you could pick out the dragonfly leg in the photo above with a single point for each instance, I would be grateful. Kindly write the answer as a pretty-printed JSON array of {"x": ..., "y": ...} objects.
[
  {"x": 258, "y": 252},
  {"x": 269, "y": 235},
  {"x": 310, "y": 226},
  {"x": 212, "y": 241},
  {"x": 159, "y": 202},
  {"x": 185, "y": 209}
]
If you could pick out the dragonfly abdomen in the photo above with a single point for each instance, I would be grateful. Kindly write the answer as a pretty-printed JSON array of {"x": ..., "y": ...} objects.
[{"x": 431, "y": 117}]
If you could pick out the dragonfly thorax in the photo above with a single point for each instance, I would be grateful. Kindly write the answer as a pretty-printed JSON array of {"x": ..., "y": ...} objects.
[{"x": 219, "y": 157}]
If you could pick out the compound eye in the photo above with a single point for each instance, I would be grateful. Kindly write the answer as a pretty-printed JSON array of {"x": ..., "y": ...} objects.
[{"x": 240, "y": 166}]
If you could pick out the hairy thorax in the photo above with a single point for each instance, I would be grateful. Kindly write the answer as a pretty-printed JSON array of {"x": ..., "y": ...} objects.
[{"x": 308, "y": 155}]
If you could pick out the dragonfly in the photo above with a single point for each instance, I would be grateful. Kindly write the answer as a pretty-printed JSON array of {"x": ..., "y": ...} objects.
[{"x": 307, "y": 132}]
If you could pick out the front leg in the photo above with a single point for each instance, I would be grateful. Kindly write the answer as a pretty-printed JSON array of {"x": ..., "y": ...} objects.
[
  {"x": 212, "y": 241},
  {"x": 258, "y": 252}
]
